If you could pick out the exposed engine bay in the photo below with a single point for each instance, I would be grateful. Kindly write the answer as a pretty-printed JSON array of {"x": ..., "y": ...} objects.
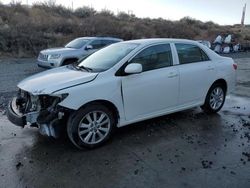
[{"x": 41, "y": 111}]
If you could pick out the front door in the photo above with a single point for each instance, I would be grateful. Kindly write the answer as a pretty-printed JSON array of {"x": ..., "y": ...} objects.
[{"x": 155, "y": 89}]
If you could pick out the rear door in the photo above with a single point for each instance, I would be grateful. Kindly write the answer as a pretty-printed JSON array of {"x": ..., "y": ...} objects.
[{"x": 197, "y": 73}]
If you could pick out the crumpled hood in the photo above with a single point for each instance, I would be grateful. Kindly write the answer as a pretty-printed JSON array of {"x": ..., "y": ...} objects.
[
  {"x": 57, "y": 50},
  {"x": 55, "y": 79}
]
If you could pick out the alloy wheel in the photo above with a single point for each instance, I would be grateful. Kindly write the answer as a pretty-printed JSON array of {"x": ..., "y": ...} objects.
[
  {"x": 94, "y": 127},
  {"x": 216, "y": 98}
]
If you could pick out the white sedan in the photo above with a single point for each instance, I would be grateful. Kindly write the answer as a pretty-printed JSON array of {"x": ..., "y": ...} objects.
[{"x": 124, "y": 83}]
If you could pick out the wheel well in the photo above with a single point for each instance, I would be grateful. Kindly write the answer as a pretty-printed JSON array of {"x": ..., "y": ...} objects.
[
  {"x": 222, "y": 82},
  {"x": 69, "y": 60},
  {"x": 108, "y": 104}
]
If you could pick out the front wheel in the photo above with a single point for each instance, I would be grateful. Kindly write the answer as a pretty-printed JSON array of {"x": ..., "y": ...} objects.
[
  {"x": 91, "y": 126},
  {"x": 215, "y": 99}
]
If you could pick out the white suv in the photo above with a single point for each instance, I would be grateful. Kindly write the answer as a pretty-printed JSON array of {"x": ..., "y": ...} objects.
[
  {"x": 73, "y": 51},
  {"x": 122, "y": 84}
]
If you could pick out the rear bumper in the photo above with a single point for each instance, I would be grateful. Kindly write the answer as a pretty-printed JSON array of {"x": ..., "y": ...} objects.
[{"x": 15, "y": 118}]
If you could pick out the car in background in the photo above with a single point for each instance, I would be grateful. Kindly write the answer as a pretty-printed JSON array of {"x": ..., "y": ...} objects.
[
  {"x": 205, "y": 42},
  {"x": 73, "y": 51},
  {"x": 124, "y": 83}
]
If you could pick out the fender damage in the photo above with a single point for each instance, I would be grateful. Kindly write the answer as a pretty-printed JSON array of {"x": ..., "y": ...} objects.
[{"x": 36, "y": 104}]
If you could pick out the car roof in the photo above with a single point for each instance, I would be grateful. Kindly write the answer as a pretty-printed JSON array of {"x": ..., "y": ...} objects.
[
  {"x": 107, "y": 38},
  {"x": 159, "y": 40},
  {"x": 152, "y": 41}
]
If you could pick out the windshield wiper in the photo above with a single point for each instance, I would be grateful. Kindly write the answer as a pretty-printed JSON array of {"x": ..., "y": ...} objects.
[
  {"x": 85, "y": 68},
  {"x": 76, "y": 67},
  {"x": 82, "y": 67}
]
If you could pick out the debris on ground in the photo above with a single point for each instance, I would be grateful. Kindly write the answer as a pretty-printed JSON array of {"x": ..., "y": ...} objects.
[
  {"x": 247, "y": 135},
  {"x": 19, "y": 165},
  {"x": 136, "y": 171},
  {"x": 246, "y": 124},
  {"x": 232, "y": 172},
  {"x": 246, "y": 154},
  {"x": 106, "y": 162},
  {"x": 206, "y": 164}
]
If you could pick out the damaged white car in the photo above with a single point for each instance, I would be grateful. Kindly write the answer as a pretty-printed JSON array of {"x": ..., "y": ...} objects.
[{"x": 121, "y": 84}]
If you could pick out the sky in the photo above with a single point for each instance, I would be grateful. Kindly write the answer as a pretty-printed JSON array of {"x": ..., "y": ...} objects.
[{"x": 224, "y": 12}]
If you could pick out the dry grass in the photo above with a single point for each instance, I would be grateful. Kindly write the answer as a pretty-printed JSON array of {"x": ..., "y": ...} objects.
[{"x": 24, "y": 31}]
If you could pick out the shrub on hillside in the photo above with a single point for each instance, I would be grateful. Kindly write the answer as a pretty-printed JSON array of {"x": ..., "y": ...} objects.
[
  {"x": 24, "y": 31},
  {"x": 84, "y": 12}
]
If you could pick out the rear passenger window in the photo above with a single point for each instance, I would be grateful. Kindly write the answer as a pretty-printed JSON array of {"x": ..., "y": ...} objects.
[
  {"x": 154, "y": 57},
  {"x": 189, "y": 53}
]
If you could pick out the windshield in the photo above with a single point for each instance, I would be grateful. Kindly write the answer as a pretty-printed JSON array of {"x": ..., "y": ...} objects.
[
  {"x": 107, "y": 57},
  {"x": 77, "y": 43}
]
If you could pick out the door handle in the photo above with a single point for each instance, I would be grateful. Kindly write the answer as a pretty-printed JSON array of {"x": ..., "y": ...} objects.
[
  {"x": 172, "y": 75},
  {"x": 210, "y": 68}
]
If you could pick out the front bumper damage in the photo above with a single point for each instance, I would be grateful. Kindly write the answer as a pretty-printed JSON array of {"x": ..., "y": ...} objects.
[{"x": 42, "y": 112}]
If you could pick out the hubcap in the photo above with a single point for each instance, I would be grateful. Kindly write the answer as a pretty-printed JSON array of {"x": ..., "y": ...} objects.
[
  {"x": 216, "y": 98},
  {"x": 94, "y": 127}
]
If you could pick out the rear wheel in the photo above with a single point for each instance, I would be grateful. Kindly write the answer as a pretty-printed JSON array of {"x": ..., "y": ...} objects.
[
  {"x": 91, "y": 126},
  {"x": 215, "y": 99}
]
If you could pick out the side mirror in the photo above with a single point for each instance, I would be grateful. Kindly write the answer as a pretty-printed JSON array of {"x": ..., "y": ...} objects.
[
  {"x": 89, "y": 47},
  {"x": 133, "y": 68}
]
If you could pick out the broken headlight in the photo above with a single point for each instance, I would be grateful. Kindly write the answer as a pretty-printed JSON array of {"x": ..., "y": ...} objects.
[{"x": 47, "y": 101}]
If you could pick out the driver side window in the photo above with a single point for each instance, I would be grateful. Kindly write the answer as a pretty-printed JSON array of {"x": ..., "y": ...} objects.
[
  {"x": 97, "y": 44},
  {"x": 154, "y": 57}
]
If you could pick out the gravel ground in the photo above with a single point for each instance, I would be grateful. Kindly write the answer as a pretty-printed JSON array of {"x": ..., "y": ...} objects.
[{"x": 185, "y": 149}]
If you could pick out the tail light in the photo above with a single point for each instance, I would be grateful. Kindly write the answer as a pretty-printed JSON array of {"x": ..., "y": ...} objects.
[{"x": 235, "y": 66}]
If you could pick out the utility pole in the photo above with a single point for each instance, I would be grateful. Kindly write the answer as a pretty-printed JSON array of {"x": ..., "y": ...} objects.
[{"x": 243, "y": 15}]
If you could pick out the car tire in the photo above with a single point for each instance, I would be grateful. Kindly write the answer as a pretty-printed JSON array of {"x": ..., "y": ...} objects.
[
  {"x": 91, "y": 126},
  {"x": 215, "y": 99}
]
